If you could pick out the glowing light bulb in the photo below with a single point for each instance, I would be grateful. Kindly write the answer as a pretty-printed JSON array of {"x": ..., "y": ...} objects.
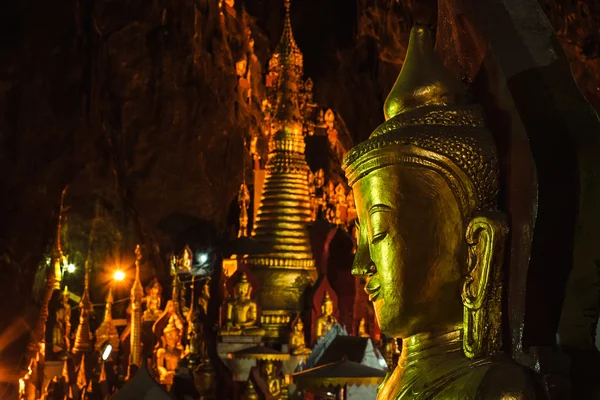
[
  {"x": 106, "y": 352},
  {"x": 202, "y": 258},
  {"x": 119, "y": 275},
  {"x": 71, "y": 268}
]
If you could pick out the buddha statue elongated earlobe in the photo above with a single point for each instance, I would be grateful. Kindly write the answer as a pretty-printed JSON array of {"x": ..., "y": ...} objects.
[{"x": 481, "y": 293}]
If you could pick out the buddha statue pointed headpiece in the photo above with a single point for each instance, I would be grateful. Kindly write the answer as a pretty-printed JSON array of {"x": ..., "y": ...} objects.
[
  {"x": 326, "y": 298},
  {"x": 423, "y": 81},
  {"x": 428, "y": 115},
  {"x": 425, "y": 186},
  {"x": 243, "y": 281}
]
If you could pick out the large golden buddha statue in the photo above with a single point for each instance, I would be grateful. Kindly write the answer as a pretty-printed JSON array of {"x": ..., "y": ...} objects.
[
  {"x": 430, "y": 239},
  {"x": 241, "y": 312}
]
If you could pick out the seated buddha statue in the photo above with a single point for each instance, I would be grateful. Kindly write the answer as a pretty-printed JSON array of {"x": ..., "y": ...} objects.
[
  {"x": 430, "y": 237},
  {"x": 326, "y": 320},
  {"x": 241, "y": 312},
  {"x": 298, "y": 341},
  {"x": 268, "y": 373},
  {"x": 153, "y": 302},
  {"x": 169, "y": 355}
]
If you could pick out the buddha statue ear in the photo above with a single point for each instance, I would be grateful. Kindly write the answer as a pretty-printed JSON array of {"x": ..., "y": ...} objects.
[{"x": 482, "y": 289}]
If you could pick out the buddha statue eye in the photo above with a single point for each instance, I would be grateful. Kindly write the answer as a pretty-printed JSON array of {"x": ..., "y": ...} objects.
[{"x": 379, "y": 224}]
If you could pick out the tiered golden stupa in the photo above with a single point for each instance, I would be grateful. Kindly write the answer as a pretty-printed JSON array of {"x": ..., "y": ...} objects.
[{"x": 285, "y": 210}]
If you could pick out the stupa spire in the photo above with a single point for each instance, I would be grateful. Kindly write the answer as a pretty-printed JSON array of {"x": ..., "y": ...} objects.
[
  {"x": 135, "y": 335},
  {"x": 287, "y": 50},
  {"x": 284, "y": 211},
  {"x": 83, "y": 336}
]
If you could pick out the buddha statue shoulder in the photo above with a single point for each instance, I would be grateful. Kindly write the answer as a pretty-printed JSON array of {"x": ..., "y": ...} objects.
[
  {"x": 241, "y": 312},
  {"x": 431, "y": 238},
  {"x": 326, "y": 320}
]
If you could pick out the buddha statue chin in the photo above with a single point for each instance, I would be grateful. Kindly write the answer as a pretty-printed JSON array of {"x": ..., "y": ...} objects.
[
  {"x": 326, "y": 320},
  {"x": 430, "y": 239},
  {"x": 241, "y": 312}
]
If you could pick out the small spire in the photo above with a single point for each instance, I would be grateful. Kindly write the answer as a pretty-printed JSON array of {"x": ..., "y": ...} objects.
[
  {"x": 287, "y": 50},
  {"x": 83, "y": 336},
  {"x": 109, "y": 302},
  {"x": 423, "y": 80}
]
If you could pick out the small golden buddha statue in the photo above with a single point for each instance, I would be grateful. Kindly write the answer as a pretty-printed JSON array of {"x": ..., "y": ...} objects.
[
  {"x": 61, "y": 344},
  {"x": 362, "y": 329},
  {"x": 204, "y": 298},
  {"x": 298, "y": 341},
  {"x": 430, "y": 239},
  {"x": 268, "y": 373},
  {"x": 326, "y": 320},
  {"x": 185, "y": 260},
  {"x": 241, "y": 311},
  {"x": 153, "y": 302},
  {"x": 168, "y": 356}
]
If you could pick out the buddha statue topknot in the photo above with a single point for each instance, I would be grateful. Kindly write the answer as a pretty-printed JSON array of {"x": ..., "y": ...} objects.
[{"x": 430, "y": 239}]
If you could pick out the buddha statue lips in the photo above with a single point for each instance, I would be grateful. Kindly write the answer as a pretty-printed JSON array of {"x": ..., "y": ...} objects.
[{"x": 430, "y": 239}]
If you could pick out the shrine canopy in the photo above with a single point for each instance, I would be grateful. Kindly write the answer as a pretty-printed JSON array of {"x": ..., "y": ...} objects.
[
  {"x": 338, "y": 374},
  {"x": 142, "y": 387}
]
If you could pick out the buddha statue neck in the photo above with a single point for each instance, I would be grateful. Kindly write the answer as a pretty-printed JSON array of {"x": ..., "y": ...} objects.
[{"x": 428, "y": 362}]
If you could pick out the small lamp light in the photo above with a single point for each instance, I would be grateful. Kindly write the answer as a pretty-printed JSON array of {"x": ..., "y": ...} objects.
[
  {"x": 202, "y": 258},
  {"x": 106, "y": 351},
  {"x": 119, "y": 275}
]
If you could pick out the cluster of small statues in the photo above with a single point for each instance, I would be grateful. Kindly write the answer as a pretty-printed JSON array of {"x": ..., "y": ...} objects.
[{"x": 333, "y": 201}]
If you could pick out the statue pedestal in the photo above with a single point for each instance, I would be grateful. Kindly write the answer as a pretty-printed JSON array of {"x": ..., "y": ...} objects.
[{"x": 240, "y": 369}]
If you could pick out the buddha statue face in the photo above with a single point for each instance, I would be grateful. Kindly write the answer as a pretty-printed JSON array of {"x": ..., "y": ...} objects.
[
  {"x": 411, "y": 241},
  {"x": 299, "y": 327},
  {"x": 154, "y": 290},
  {"x": 242, "y": 290},
  {"x": 327, "y": 307},
  {"x": 171, "y": 336}
]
